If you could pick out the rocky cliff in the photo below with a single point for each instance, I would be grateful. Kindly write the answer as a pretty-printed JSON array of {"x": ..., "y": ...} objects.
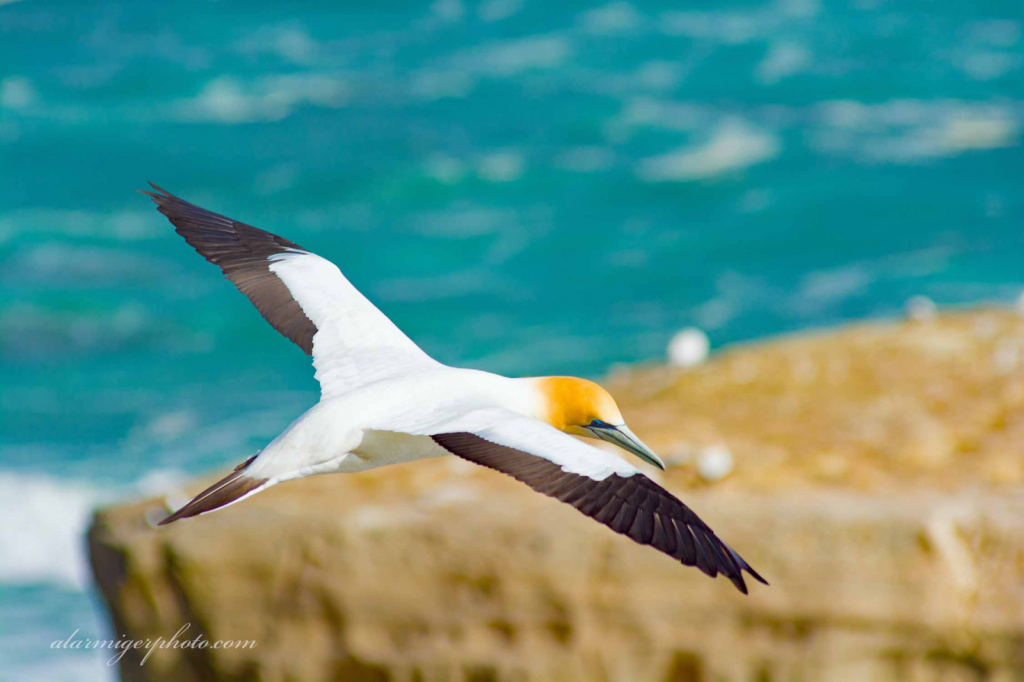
[{"x": 874, "y": 475}]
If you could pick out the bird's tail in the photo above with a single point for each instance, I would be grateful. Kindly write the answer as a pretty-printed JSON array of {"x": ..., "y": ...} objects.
[{"x": 234, "y": 487}]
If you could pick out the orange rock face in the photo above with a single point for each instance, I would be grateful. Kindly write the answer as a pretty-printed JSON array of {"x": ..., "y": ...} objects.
[{"x": 877, "y": 483}]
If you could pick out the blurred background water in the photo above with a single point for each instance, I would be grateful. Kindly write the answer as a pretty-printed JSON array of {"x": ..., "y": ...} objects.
[{"x": 523, "y": 187}]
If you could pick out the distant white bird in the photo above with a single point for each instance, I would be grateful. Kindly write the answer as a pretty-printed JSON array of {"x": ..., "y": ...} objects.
[{"x": 384, "y": 401}]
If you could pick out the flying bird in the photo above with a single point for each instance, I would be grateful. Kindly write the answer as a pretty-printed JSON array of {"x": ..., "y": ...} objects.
[{"x": 384, "y": 401}]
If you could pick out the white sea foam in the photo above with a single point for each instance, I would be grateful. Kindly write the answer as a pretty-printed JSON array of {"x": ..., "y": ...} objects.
[
  {"x": 27, "y": 328},
  {"x": 784, "y": 59},
  {"x": 506, "y": 58},
  {"x": 446, "y": 169},
  {"x": 230, "y": 100},
  {"x": 728, "y": 27},
  {"x": 736, "y": 294},
  {"x": 734, "y": 145},
  {"x": 114, "y": 225},
  {"x": 42, "y": 539},
  {"x": 995, "y": 32},
  {"x": 734, "y": 27},
  {"x": 797, "y": 9},
  {"x": 465, "y": 221},
  {"x": 613, "y": 18},
  {"x": 55, "y": 262},
  {"x": 501, "y": 166},
  {"x": 824, "y": 288},
  {"x": 448, "y": 10},
  {"x": 291, "y": 43},
  {"x": 658, "y": 113},
  {"x": 910, "y": 131},
  {"x": 652, "y": 76},
  {"x": 457, "y": 75},
  {"x": 16, "y": 92},
  {"x": 985, "y": 65},
  {"x": 496, "y": 10}
]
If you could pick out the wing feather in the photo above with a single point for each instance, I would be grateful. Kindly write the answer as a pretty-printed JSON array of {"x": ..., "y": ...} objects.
[
  {"x": 301, "y": 295},
  {"x": 597, "y": 484}
]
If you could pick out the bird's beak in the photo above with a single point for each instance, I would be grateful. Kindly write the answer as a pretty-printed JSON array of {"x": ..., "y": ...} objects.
[{"x": 627, "y": 440}]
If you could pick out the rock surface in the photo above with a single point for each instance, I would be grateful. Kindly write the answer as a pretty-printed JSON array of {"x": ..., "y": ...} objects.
[{"x": 877, "y": 482}]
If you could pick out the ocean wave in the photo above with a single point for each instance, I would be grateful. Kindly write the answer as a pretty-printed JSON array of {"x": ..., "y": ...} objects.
[
  {"x": 16, "y": 92},
  {"x": 123, "y": 225},
  {"x": 784, "y": 59},
  {"x": 231, "y": 100},
  {"x": 445, "y": 169},
  {"x": 909, "y": 131},
  {"x": 734, "y": 145},
  {"x": 648, "y": 112},
  {"x": 42, "y": 538},
  {"x": 496, "y": 10},
  {"x": 983, "y": 52},
  {"x": 456, "y": 75},
  {"x": 504, "y": 165},
  {"x": 506, "y": 58},
  {"x": 465, "y": 221},
  {"x": 735, "y": 27},
  {"x": 612, "y": 19},
  {"x": 28, "y": 329},
  {"x": 449, "y": 11},
  {"x": 290, "y": 43},
  {"x": 822, "y": 289},
  {"x": 62, "y": 264}
]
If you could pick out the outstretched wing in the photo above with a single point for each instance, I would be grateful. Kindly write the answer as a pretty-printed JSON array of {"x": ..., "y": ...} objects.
[
  {"x": 303, "y": 296},
  {"x": 598, "y": 484}
]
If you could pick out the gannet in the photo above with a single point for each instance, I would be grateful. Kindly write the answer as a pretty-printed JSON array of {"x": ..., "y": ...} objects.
[{"x": 384, "y": 401}]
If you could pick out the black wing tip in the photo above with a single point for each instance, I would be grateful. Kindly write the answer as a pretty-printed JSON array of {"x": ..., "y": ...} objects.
[
  {"x": 227, "y": 490},
  {"x": 743, "y": 566},
  {"x": 756, "y": 576},
  {"x": 740, "y": 584},
  {"x": 159, "y": 194},
  {"x": 170, "y": 519},
  {"x": 160, "y": 197},
  {"x": 182, "y": 513}
]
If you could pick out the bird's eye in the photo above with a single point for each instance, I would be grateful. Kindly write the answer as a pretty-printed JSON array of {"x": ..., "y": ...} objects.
[{"x": 598, "y": 424}]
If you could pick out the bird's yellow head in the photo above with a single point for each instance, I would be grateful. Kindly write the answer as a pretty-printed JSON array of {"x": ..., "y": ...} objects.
[{"x": 583, "y": 408}]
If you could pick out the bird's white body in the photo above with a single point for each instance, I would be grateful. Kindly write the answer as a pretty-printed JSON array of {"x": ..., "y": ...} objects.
[
  {"x": 389, "y": 422},
  {"x": 384, "y": 401}
]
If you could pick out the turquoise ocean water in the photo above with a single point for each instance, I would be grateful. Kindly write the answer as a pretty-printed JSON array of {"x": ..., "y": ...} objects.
[{"x": 523, "y": 187}]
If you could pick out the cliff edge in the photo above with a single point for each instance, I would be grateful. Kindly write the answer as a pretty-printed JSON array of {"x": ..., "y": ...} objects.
[{"x": 873, "y": 474}]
